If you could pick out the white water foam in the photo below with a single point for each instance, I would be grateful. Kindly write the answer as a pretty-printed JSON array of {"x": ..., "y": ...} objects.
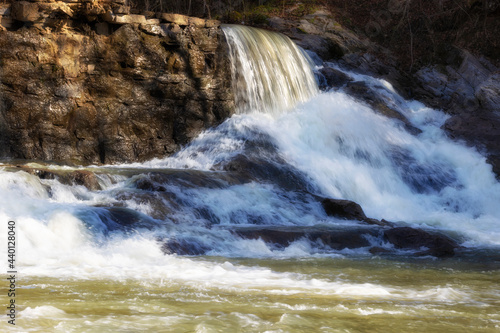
[
  {"x": 53, "y": 241},
  {"x": 350, "y": 152}
]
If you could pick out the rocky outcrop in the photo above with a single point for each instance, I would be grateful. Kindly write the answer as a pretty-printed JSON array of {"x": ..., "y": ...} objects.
[
  {"x": 84, "y": 178},
  {"x": 320, "y": 33},
  {"x": 420, "y": 242},
  {"x": 352, "y": 238},
  {"x": 468, "y": 88},
  {"x": 344, "y": 209},
  {"x": 105, "y": 86},
  {"x": 428, "y": 243}
]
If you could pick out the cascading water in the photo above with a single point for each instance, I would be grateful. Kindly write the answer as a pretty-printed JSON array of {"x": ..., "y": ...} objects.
[
  {"x": 270, "y": 73},
  {"x": 105, "y": 252}
]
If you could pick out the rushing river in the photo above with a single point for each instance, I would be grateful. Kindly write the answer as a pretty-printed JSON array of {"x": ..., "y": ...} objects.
[{"x": 109, "y": 259}]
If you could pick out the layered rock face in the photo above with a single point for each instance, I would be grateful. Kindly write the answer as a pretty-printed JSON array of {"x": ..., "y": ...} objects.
[
  {"x": 468, "y": 88},
  {"x": 84, "y": 82}
]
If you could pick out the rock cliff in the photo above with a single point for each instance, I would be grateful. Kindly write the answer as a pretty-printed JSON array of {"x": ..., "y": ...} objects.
[{"x": 85, "y": 82}]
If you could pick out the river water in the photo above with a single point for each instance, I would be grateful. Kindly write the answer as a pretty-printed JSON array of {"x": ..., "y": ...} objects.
[{"x": 105, "y": 260}]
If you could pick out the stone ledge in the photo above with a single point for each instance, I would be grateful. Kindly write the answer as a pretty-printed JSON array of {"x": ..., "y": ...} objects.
[
  {"x": 128, "y": 19},
  {"x": 110, "y": 11}
]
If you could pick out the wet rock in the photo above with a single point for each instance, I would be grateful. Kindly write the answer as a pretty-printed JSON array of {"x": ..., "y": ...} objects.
[
  {"x": 183, "y": 247},
  {"x": 335, "y": 239},
  {"x": 349, "y": 210},
  {"x": 123, "y": 216},
  {"x": 147, "y": 184},
  {"x": 467, "y": 87},
  {"x": 415, "y": 239},
  {"x": 158, "y": 181},
  {"x": 334, "y": 77},
  {"x": 350, "y": 239},
  {"x": 369, "y": 62},
  {"x": 488, "y": 93},
  {"x": 250, "y": 168},
  {"x": 77, "y": 177},
  {"x": 430, "y": 177},
  {"x": 363, "y": 92},
  {"x": 278, "y": 237},
  {"x": 481, "y": 129},
  {"x": 161, "y": 205},
  {"x": 320, "y": 33},
  {"x": 84, "y": 178},
  {"x": 379, "y": 250},
  {"x": 120, "y": 218},
  {"x": 343, "y": 209}
]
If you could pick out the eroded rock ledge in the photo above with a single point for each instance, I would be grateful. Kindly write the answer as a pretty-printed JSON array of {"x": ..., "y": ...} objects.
[{"x": 85, "y": 82}]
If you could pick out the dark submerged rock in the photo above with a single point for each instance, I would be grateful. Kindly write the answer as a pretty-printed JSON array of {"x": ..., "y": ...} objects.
[
  {"x": 77, "y": 177},
  {"x": 250, "y": 168},
  {"x": 410, "y": 238},
  {"x": 335, "y": 239},
  {"x": 335, "y": 78},
  {"x": 343, "y": 209},
  {"x": 183, "y": 247},
  {"x": 360, "y": 90}
]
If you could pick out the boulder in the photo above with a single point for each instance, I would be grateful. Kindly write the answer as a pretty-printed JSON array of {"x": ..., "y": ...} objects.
[
  {"x": 178, "y": 19},
  {"x": 481, "y": 129},
  {"x": 352, "y": 238},
  {"x": 361, "y": 91},
  {"x": 129, "y": 19},
  {"x": 488, "y": 93},
  {"x": 343, "y": 209},
  {"x": 436, "y": 245},
  {"x": 84, "y": 178},
  {"x": 196, "y": 21},
  {"x": 335, "y": 78},
  {"x": 77, "y": 177},
  {"x": 212, "y": 24},
  {"x": 250, "y": 168},
  {"x": 25, "y": 11},
  {"x": 183, "y": 247}
]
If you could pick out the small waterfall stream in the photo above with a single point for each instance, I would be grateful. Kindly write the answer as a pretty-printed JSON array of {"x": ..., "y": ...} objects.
[
  {"x": 161, "y": 247},
  {"x": 270, "y": 73}
]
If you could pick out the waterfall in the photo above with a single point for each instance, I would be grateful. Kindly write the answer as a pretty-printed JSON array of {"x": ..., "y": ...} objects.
[
  {"x": 269, "y": 71},
  {"x": 230, "y": 233}
]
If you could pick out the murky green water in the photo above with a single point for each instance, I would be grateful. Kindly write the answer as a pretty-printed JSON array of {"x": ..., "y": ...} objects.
[{"x": 360, "y": 295}]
